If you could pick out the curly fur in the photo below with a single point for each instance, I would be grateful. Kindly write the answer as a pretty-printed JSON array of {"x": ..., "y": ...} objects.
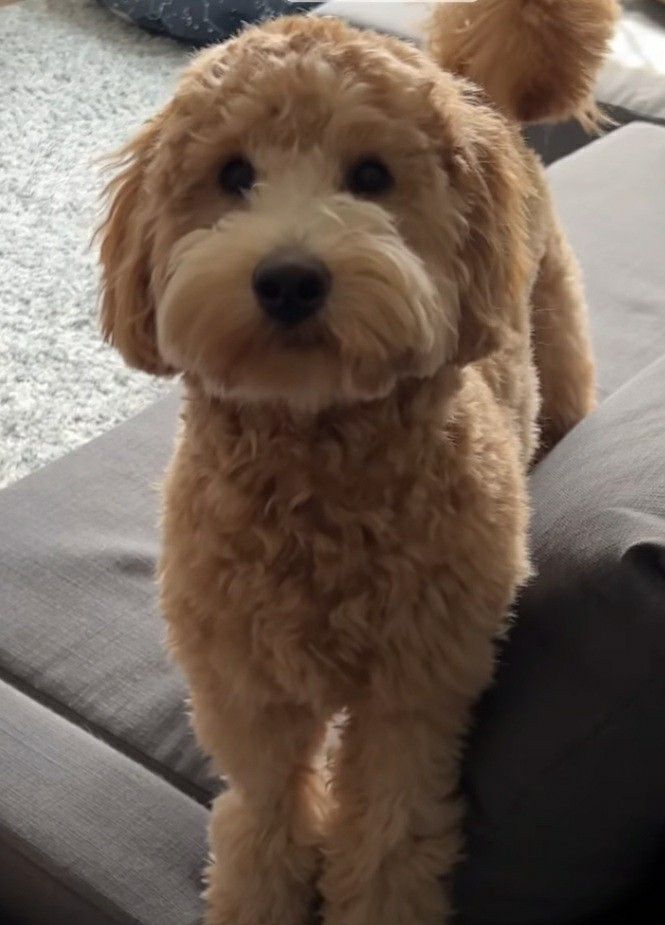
[
  {"x": 537, "y": 59},
  {"x": 345, "y": 518}
]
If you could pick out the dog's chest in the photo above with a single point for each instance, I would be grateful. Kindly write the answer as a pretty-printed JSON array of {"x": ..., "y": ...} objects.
[
  {"x": 311, "y": 567},
  {"x": 301, "y": 570}
]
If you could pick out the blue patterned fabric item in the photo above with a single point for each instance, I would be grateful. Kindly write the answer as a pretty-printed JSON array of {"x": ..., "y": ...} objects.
[{"x": 200, "y": 22}]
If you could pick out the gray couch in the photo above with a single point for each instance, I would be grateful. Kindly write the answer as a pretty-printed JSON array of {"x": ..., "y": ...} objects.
[{"x": 103, "y": 795}]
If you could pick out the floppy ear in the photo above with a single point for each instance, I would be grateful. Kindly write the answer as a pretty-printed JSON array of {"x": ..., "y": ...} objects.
[
  {"x": 490, "y": 174},
  {"x": 126, "y": 235}
]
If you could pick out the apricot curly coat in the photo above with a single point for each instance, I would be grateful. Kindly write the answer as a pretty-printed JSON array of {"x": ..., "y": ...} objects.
[{"x": 345, "y": 519}]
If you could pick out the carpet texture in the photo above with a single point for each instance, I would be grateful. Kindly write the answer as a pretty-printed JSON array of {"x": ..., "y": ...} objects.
[{"x": 75, "y": 81}]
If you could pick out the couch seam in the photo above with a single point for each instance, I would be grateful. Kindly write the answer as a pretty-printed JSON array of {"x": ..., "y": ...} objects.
[{"x": 51, "y": 703}]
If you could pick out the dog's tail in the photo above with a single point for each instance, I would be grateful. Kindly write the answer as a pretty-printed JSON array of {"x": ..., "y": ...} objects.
[{"x": 536, "y": 59}]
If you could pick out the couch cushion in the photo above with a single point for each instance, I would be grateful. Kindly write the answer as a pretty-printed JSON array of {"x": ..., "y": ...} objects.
[
  {"x": 565, "y": 772},
  {"x": 611, "y": 197},
  {"x": 87, "y": 835},
  {"x": 79, "y": 632}
]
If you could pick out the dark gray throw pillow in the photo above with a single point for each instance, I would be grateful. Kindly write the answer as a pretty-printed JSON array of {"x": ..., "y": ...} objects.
[
  {"x": 565, "y": 774},
  {"x": 201, "y": 22}
]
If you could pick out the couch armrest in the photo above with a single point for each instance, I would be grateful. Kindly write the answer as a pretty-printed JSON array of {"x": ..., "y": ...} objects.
[
  {"x": 565, "y": 771},
  {"x": 86, "y": 834}
]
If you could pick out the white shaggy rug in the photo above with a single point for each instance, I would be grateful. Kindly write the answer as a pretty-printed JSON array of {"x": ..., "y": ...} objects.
[{"x": 74, "y": 82}]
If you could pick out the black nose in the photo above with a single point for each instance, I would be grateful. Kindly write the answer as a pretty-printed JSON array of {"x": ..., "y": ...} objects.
[{"x": 291, "y": 289}]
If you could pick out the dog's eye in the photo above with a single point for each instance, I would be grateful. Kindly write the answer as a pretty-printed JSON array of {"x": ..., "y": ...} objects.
[
  {"x": 369, "y": 177},
  {"x": 237, "y": 176}
]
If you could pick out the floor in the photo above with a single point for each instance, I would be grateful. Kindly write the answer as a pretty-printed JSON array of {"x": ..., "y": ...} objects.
[{"x": 76, "y": 81}]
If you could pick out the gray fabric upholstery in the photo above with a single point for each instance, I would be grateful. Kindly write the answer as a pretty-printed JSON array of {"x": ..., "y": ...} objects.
[
  {"x": 611, "y": 197},
  {"x": 86, "y": 834},
  {"x": 566, "y": 770},
  {"x": 80, "y": 630},
  {"x": 97, "y": 763}
]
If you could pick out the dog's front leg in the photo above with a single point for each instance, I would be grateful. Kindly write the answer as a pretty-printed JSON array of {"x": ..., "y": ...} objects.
[
  {"x": 395, "y": 830},
  {"x": 264, "y": 831}
]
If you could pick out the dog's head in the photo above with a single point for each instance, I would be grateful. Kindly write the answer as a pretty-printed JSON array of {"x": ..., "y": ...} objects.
[{"x": 317, "y": 214}]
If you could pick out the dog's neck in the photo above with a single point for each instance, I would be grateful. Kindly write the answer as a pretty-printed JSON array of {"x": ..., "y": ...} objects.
[{"x": 414, "y": 406}]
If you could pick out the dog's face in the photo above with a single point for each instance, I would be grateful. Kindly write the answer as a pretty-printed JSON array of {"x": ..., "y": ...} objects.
[{"x": 315, "y": 216}]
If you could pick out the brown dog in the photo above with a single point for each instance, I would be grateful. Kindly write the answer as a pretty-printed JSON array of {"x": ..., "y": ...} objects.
[{"x": 354, "y": 262}]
